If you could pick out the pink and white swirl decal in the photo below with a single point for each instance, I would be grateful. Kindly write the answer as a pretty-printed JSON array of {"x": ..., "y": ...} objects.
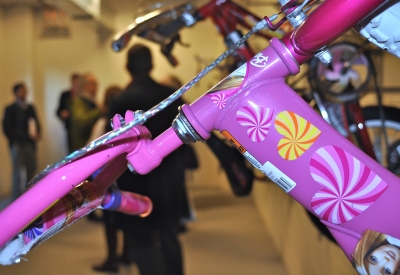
[
  {"x": 219, "y": 99},
  {"x": 257, "y": 120},
  {"x": 350, "y": 186}
]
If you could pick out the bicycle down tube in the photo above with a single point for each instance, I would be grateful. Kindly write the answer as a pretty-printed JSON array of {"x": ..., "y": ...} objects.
[{"x": 284, "y": 138}]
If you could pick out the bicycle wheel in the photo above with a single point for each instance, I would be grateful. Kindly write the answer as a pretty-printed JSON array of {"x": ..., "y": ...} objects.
[
  {"x": 388, "y": 156},
  {"x": 334, "y": 81}
]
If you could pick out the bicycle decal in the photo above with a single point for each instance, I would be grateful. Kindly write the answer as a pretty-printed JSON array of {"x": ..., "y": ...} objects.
[
  {"x": 35, "y": 230},
  {"x": 220, "y": 100},
  {"x": 241, "y": 149},
  {"x": 377, "y": 253},
  {"x": 277, "y": 176},
  {"x": 350, "y": 186},
  {"x": 227, "y": 87},
  {"x": 257, "y": 120},
  {"x": 233, "y": 141},
  {"x": 298, "y": 135},
  {"x": 77, "y": 203},
  {"x": 259, "y": 60}
]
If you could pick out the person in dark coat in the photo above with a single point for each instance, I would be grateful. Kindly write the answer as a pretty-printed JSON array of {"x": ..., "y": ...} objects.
[
  {"x": 22, "y": 129},
  {"x": 64, "y": 105},
  {"x": 155, "y": 247}
]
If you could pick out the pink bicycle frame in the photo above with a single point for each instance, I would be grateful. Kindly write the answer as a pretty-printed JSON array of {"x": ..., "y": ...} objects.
[{"x": 274, "y": 129}]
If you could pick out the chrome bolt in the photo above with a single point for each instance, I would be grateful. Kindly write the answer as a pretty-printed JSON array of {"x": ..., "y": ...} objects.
[
  {"x": 324, "y": 56},
  {"x": 283, "y": 2},
  {"x": 130, "y": 167}
]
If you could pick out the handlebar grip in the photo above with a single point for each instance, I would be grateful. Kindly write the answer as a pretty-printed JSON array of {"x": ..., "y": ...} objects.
[{"x": 127, "y": 202}]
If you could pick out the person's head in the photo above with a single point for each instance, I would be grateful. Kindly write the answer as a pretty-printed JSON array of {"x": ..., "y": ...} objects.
[
  {"x": 374, "y": 255},
  {"x": 20, "y": 91},
  {"x": 139, "y": 60},
  {"x": 88, "y": 84},
  {"x": 75, "y": 82}
]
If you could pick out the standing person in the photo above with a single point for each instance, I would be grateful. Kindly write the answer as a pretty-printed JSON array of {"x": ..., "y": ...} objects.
[
  {"x": 99, "y": 128},
  {"x": 64, "y": 105},
  {"x": 154, "y": 239},
  {"x": 22, "y": 129},
  {"x": 84, "y": 112},
  {"x": 109, "y": 217},
  {"x": 187, "y": 209}
]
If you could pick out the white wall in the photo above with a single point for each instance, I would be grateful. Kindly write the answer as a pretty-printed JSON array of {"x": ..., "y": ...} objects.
[
  {"x": 5, "y": 167},
  {"x": 16, "y": 65}
]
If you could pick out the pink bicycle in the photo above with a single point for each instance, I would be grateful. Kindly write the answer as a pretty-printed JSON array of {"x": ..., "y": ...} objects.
[
  {"x": 335, "y": 88},
  {"x": 354, "y": 196}
]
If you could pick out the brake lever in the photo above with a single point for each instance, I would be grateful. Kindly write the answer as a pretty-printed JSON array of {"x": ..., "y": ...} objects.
[{"x": 166, "y": 49}]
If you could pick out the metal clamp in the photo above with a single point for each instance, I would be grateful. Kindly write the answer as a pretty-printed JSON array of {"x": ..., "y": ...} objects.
[{"x": 184, "y": 129}]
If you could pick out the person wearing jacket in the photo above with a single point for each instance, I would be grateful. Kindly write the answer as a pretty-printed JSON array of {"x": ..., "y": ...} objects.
[
  {"x": 22, "y": 129},
  {"x": 84, "y": 112}
]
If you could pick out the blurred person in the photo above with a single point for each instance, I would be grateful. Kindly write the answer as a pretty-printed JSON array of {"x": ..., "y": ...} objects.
[
  {"x": 84, "y": 112},
  {"x": 191, "y": 161},
  {"x": 154, "y": 240},
  {"x": 172, "y": 82},
  {"x": 22, "y": 129},
  {"x": 109, "y": 217},
  {"x": 99, "y": 128},
  {"x": 64, "y": 105}
]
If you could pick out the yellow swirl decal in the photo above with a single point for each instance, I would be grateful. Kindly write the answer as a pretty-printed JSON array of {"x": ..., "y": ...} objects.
[{"x": 298, "y": 135}]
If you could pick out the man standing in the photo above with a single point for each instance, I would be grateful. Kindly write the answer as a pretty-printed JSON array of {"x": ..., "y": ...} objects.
[
  {"x": 64, "y": 105},
  {"x": 21, "y": 126},
  {"x": 155, "y": 245}
]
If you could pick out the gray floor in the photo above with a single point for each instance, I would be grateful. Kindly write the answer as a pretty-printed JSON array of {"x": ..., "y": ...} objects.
[{"x": 226, "y": 238}]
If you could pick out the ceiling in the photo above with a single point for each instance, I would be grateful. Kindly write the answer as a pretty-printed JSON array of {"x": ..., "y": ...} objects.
[
  {"x": 123, "y": 4},
  {"x": 107, "y": 9}
]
